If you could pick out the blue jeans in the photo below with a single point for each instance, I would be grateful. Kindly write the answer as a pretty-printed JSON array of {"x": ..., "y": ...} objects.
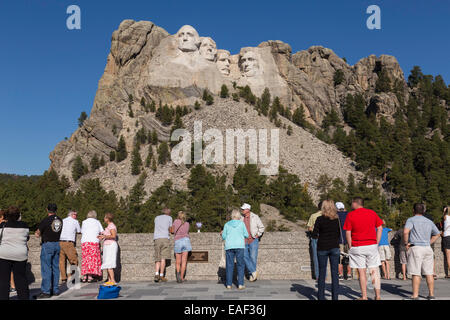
[
  {"x": 333, "y": 255},
  {"x": 239, "y": 255},
  {"x": 251, "y": 255},
  {"x": 314, "y": 256},
  {"x": 50, "y": 267}
]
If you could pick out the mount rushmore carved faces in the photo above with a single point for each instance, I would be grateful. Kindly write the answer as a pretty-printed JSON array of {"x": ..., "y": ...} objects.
[
  {"x": 208, "y": 48},
  {"x": 188, "y": 39},
  {"x": 248, "y": 62},
  {"x": 223, "y": 62}
]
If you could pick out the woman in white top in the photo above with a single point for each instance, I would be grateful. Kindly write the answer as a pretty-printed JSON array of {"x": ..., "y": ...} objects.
[
  {"x": 446, "y": 236},
  {"x": 91, "y": 259},
  {"x": 110, "y": 248}
]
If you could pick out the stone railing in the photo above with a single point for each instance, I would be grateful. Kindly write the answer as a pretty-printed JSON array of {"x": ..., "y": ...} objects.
[{"x": 282, "y": 255}]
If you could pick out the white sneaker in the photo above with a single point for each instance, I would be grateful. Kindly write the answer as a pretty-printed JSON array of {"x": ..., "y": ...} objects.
[
  {"x": 228, "y": 287},
  {"x": 254, "y": 276},
  {"x": 241, "y": 287}
]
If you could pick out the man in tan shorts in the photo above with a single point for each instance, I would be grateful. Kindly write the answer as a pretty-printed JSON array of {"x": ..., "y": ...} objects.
[
  {"x": 419, "y": 233},
  {"x": 67, "y": 243},
  {"x": 161, "y": 237}
]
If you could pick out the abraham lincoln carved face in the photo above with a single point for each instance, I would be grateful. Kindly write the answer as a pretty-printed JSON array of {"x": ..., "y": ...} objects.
[{"x": 249, "y": 63}]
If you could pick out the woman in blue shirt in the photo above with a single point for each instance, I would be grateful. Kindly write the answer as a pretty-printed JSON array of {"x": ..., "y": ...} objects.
[{"x": 234, "y": 234}]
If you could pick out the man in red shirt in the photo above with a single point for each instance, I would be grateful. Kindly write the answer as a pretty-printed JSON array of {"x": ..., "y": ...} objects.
[{"x": 363, "y": 228}]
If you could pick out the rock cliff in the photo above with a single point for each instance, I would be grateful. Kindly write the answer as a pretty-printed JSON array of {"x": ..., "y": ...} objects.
[{"x": 147, "y": 62}]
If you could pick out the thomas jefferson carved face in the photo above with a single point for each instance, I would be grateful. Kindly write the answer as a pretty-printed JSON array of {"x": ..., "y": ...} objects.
[
  {"x": 223, "y": 62},
  {"x": 249, "y": 63},
  {"x": 208, "y": 48},
  {"x": 188, "y": 39}
]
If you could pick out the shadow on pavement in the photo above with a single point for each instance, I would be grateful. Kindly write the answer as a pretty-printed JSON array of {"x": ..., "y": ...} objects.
[
  {"x": 395, "y": 290},
  {"x": 311, "y": 293}
]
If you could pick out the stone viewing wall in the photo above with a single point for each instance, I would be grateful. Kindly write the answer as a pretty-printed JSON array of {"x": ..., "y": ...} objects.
[{"x": 282, "y": 255}]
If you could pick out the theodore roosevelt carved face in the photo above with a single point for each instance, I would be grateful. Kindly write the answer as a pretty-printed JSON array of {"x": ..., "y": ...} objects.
[
  {"x": 223, "y": 62},
  {"x": 208, "y": 48},
  {"x": 249, "y": 64},
  {"x": 188, "y": 39}
]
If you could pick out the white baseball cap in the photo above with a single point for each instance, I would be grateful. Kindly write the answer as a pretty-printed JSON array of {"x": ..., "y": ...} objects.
[
  {"x": 246, "y": 206},
  {"x": 340, "y": 206}
]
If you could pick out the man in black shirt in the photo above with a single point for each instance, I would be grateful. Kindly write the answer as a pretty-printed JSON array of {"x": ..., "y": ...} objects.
[{"x": 50, "y": 230}]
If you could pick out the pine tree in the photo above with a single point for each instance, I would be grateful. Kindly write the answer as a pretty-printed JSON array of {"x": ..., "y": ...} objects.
[
  {"x": 415, "y": 77},
  {"x": 82, "y": 118},
  {"x": 289, "y": 130},
  {"x": 383, "y": 83},
  {"x": 298, "y": 117},
  {"x": 121, "y": 152},
  {"x": 153, "y": 138},
  {"x": 136, "y": 161},
  {"x": 224, "y": 93},
  {"x": 112, "y": 156},
  {"x": 154, "y": 165},
  {"x": 78, "y": 169},
  {"x": 149, "y": 158},
  {"x": 338, "y": 77},
  {"x": 95, "y": 163},
  {"x": 163, "y": 153},
  {"x": 209, "y": 100}
]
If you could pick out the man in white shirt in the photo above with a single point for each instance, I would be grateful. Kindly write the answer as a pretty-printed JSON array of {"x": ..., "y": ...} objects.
[
  {"x": 255, "y": 229},
  {"x": 67, "y": 242}
]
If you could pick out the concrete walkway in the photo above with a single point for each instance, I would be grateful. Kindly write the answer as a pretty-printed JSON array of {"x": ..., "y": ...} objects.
[{"x": 259, "y": 290}]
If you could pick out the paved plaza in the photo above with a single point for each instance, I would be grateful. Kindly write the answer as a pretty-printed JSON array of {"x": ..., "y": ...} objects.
[{"x": 259, "y": 290}]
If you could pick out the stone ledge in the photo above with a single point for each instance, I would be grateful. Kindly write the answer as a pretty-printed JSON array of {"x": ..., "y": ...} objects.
[{"x": 282, "y": 255}]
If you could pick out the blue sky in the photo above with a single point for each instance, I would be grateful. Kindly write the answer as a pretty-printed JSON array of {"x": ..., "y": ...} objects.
[{"x": 49, "y": 74}]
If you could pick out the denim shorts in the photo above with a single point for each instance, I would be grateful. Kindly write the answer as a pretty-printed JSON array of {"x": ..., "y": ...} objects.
[{"x": 182, "y": 245}]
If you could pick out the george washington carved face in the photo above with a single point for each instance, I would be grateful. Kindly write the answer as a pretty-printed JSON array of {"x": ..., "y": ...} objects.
[
  {"x": 223, "y": 62},
  {"x": 188, "y": 39},
  {"x": 208, "y": 48},
  {"x": 249, "y": 63}
]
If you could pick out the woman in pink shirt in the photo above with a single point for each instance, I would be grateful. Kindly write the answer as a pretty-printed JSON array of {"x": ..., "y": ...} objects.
[
  {"x": 110, "y": 248},
  {"x": 180, "y": 230}
]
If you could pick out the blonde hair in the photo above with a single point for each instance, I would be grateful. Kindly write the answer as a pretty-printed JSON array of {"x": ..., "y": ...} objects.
[
  {"x": 329, "y": 209},
  {"x": 92, "y": 214},
  {"x": 181, "y": 216},
  {"x": 235, "y": 215}
]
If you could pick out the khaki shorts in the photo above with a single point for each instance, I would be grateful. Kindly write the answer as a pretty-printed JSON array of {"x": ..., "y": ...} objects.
[
  {"x": 162, "y": 249},
  {"x": 364, "y": 257},
  {"x": 385, "y": 253},
  {"x": 420, "y": 261},
  {"x": 402, "y": 257}
]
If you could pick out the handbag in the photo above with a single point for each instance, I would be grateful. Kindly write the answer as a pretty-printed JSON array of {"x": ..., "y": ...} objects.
[{"x": 108, "y": 292}]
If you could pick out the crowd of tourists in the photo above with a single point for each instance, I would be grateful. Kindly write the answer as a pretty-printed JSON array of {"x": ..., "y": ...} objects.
[
  {"x": 58, "y": 245},
  {"x": 359, "y": 240},
  {"x": 351, "y": 241}
]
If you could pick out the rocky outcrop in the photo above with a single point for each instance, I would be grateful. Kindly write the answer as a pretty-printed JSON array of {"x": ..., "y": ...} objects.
[{"x": 146, "y": 61}]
